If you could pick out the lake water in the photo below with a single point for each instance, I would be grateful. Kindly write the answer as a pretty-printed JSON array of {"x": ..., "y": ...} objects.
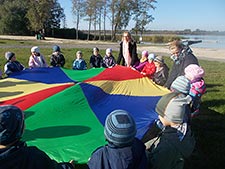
[{"x": 208, "y": 41}]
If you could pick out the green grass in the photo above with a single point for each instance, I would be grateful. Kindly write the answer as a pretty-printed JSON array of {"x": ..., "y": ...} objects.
[{"x": 208, "y": 127}]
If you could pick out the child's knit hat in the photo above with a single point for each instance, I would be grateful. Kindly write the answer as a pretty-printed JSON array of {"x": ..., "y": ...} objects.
[
  {"x": 145, "y": 53},
  {"x": 56, "y": 48},
  {"x": 9, "y": 55},
  {"x": 151, "y": 56},
  {"x": 193, "y": 72},
  {"x": 120, "y": 128},
  {"x": 172, "y": 107},
  {"x": 108, "y": 50},
  {"x": 181, "y": 84},
  {"x": 159, "y": 59},
  {"x": 11, "y": 124},
  {"x": 35, "y": 49},
  {"x": 95, "y": 49}
]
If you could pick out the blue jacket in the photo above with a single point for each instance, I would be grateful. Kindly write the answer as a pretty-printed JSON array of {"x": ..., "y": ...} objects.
[
  {"x": 79, "y": 64},
  {"x": 11, "y": 67},
  {"x": 111, "y": 157}
]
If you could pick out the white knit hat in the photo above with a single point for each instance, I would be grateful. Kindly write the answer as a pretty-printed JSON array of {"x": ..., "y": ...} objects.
[{"x": 35, "y": 49}]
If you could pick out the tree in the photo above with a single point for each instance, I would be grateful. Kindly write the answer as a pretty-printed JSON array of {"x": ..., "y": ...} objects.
[
  {"x": 78, "y": 11},
  {"x": 12, "y": 17},
  {"x": 57, "y": 15},
  {"x": 89, "y": 12},
  {"x": 39, "y": 13},
  {"x": 121, "y": 14},
  {"x": 142, "y": 16}
]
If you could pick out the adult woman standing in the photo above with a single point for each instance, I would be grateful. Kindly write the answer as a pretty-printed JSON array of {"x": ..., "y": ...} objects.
[{"x": 128, "y": 51}]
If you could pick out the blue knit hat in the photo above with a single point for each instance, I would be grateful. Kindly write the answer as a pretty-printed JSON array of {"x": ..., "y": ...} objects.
[
  {"x": 56, "y": 48},
  {"x": 181, "y": 84},
  {"x": 151, "y": 56},
  {"x": 9, "y": 55},
  {"x": 120, "y": 128},
  {"x": 11, "y": 124}
]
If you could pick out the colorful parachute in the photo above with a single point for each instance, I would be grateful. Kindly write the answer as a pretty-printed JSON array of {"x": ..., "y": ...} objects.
[{"x": 65, "y": 110}]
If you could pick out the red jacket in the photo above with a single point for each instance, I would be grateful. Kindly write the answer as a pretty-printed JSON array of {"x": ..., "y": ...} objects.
[{"x": 149, "y": 69}]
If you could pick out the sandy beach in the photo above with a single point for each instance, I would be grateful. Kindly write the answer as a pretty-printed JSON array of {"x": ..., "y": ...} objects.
[{"x": 200, "y": 53}]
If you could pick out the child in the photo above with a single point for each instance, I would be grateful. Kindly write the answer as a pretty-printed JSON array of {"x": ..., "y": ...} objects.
[
  {"x": 36, "y": 59},
  {"x": 57, "y": 58},
  {"x": 149, "y": 68},
  {"x": 175, "y": 143},
  {"x": 143, "y": 61},
  {"x": 162, "y": 71},
  {"x": 182, "y": 86},
  {"x": 96, "y": 59},
  {"x": 12, "y": 65},
  {"x": 123, "y": 149},
  {"x": 195, "y": 74},
  {"x": 109, "y": 60},
  {"x": 15, "y": 153},
  {"x": 79, "y": 63}
]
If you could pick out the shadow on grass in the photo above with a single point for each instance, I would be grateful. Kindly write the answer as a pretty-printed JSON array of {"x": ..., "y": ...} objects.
[{"x": 208, "y": 129}]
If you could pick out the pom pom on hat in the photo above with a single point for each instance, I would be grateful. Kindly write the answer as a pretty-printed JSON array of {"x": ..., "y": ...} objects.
[
  {"x": 9, "y": 55},
  {"x": 172, "y": 107},
  {"x": 11, "y": 124},
  {"x": 145, "y": 53},
  {"x": 151, "y": 56},
  {"x": 56, "y": 48},
  {"x": 194, "y": 72},
  {"x": 181, "y": 84},
  {"x": 108, "y": 50},
  {"x": 35, "y": 49},
  {"x": 120, "y": 128}
]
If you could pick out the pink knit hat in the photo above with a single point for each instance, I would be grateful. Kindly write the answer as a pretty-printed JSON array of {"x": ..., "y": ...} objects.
[
  {"x": 145, "y": 53},
  {"x": 193, "y": 72}
]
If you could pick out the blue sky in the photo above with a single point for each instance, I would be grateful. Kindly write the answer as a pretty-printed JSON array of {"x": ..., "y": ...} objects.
[{"x": 174, "y": 15}]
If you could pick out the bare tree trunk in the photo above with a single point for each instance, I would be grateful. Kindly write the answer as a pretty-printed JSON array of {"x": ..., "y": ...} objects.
[
  {"x": 77, "y": 26},
  {"x": 89, "y": 28},
  {"x": 99, "y": 38},
  {"x": 104, "y": 18}
]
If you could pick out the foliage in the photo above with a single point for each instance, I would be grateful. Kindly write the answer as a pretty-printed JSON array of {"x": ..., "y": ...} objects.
[
  {"x": 12, "y": 18},
  {"x": 21, "y": 17},
  {"x": 142, "y": 16}
]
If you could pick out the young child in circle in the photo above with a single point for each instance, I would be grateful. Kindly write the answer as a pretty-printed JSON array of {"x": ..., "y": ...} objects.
[
  {"x": 36, "y": 60},
  {"x": 12, "y": 65},
  {"x": 57, "y": 58},
  {"x": 123, "y": 149},
  {"x": 143, "y": 61},
  {"x": 195, "y": 74},
  {"x": 149, "y": 68},
  {"x": 79, "y": 63},
  {"x": 108, "y": 60},
  {"x": 162, "y": 71},
  {"x": 96, "y": 59}
]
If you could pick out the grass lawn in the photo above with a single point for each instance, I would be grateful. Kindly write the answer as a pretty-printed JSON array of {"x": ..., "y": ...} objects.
[{"x": 208, "y": 127}]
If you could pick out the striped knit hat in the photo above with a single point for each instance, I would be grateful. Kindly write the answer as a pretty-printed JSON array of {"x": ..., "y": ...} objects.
[
  {"x": 120, "y": 128},
  {"x": 181, "y": 84},
  {"x": 11, "y": 124}
]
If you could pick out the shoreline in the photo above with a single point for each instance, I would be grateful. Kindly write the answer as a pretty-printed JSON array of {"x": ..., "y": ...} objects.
[{"x": 210, "y": 54}]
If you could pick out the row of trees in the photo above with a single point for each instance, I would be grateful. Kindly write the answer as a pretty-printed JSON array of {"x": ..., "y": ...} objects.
[
  {"x": 22, "y": 17},
  {"x": 118, "y": 12}
]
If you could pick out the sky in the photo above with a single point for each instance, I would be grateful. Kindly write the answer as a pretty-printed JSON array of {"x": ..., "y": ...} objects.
[{"x": 173, "y": 15}]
